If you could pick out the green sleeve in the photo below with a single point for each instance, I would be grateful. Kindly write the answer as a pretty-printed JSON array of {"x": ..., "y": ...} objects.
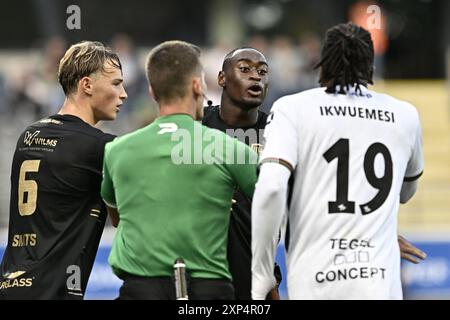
[
  {"x": 244, "y": 168},
  {"x": 107, "y": 190}
]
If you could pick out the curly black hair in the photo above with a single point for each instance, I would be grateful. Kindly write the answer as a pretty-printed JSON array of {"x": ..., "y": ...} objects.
[{"x": 347, "y": 58}]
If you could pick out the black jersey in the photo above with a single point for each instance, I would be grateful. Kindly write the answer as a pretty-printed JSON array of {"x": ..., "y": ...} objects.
[
  {"x": 239, "y": 235},
  {"x": 56, "y": 212}
]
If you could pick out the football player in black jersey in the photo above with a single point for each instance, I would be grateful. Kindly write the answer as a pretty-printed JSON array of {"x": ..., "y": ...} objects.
[
  {"x": 244, "y": 81},
  {"x": 56, "y": 212}
]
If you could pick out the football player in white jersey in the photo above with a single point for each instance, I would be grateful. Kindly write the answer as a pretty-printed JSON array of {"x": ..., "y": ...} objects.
[{"x": 338, "y": 161}]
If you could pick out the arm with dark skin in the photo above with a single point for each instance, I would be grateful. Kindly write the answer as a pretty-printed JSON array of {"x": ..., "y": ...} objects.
[
  {"x": 113, "y": 215},
  {"x": 274, "y": 293},
  {"x": 409, "y": 252}
]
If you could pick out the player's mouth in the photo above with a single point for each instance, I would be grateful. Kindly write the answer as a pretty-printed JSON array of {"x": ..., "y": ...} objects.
[
  {"x": 255, "y": 90},
  {"x": 118, "y": 108}
]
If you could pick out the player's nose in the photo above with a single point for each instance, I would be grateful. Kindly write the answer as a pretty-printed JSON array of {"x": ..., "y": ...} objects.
[
  {"x": 123, "y": 94},
  {"x": 254, "y": 75}
]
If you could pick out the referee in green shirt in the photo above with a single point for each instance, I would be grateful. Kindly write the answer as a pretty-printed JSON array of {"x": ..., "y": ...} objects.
[{"x": 169, "y": 187}]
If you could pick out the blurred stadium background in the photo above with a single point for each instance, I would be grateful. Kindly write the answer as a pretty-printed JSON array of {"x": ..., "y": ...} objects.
[{"x": 413, "y": 63}]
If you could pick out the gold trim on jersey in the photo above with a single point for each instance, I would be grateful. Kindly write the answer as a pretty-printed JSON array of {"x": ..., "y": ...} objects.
[
  {"x": 257, "y": 147},
  {"x": 14, "y": 275}
]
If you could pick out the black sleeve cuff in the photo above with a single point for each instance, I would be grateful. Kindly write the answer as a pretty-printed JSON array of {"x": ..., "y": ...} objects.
[{"x": 411, "y": 179}]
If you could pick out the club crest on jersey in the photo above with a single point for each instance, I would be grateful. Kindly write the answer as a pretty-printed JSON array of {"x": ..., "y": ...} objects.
[{"x": 257, "y": 147}]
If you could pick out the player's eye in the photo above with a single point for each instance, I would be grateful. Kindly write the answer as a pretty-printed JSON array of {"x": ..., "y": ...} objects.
[
  {"x": 244, "y": 69},
  {"x": 262, "y": 72}
]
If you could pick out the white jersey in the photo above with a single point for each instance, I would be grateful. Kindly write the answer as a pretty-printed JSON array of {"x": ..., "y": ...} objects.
[{"x": 351, "y": 156}]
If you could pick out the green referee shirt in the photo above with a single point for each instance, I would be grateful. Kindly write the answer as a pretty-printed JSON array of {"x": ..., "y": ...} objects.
[{"x": 172, "y": 183}]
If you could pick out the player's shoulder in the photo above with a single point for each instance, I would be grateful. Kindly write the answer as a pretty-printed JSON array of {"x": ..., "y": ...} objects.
[
  {"x": 209, "y": 110},
  {"x": 403, "y": 106},
  {"x": 210, "y": 115},
  {"x": 209, "y": 131},
  {"x": 69, "y": 125},
  {"x": 212, "y": 134},
  {"x": 293, "y": 104},
  {"x": 125, "y": 139},
  {"x": 297, "y": 100},
  {"x": 262, "y": 117}
]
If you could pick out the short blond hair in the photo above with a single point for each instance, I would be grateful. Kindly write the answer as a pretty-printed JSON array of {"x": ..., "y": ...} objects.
[{"x": 83, "y": 59}]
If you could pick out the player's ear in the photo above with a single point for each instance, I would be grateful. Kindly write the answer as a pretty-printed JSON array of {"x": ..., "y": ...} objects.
[
  {"x": 221, "y": 80},
  {"x": 152, "y": 93},
  {"x": 86, "y": 85},
  {"x": 197, "y": 86}
]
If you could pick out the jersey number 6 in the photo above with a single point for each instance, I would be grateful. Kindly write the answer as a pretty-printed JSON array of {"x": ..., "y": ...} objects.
[
  {"x": 30, "y": 187},
  {"x": 341, "y": 151}
]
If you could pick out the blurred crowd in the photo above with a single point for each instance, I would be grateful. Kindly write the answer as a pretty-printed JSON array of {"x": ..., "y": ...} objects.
[{"x": 29, "y": 88}]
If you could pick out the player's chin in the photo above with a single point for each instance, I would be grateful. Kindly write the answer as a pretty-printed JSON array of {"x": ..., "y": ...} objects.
[
  {"x": 253, "y": 102},
  {"x": 110, "y": 115}
]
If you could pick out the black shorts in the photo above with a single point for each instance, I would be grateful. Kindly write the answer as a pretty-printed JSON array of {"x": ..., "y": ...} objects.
[{"x": 163, "y": 288}]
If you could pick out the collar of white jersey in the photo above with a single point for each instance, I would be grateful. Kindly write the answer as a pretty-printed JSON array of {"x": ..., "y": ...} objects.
[{"x": 352, "y": 89}]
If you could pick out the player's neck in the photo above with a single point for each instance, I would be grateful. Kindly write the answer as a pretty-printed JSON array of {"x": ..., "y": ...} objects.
[
  {"x": 177, "y": 107},
  {"x": 237, "y": 116},
  {"x": 78, "y": 109}
]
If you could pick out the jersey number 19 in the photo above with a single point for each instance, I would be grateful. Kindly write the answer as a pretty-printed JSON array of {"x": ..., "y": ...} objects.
[{"x": 341, "y": 151}]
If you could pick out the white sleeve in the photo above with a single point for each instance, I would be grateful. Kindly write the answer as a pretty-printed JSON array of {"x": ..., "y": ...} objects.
[
  {"x": 281, "y": 137},
  {"x": 416, "y": 162},
  {"x": 268, "y": 209}
]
